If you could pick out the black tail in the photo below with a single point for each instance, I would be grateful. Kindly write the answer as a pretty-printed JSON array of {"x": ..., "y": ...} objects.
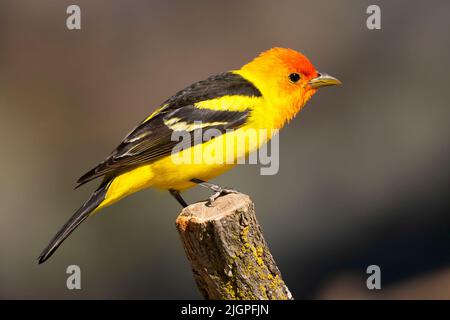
[{"x": 79, "y": 216}]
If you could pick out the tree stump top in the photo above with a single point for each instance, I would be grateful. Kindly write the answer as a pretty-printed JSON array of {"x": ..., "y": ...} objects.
[
  {"x": 222, "y": 207},
  {"x": 228, "y": 254}
]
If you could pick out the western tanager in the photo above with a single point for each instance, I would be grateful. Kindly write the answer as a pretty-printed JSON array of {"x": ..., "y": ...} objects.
[{"x": 262, "y": 95}]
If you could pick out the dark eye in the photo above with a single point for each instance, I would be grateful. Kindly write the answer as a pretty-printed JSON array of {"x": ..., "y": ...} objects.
[{"x": 294, "y": 77}]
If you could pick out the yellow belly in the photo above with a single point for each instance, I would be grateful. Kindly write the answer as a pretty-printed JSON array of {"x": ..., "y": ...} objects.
[{"x": 203, "y": 161}]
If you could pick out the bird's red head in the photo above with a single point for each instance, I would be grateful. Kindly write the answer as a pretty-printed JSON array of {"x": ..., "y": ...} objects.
[
  {"x": 286, "y": 78},
  {"x": 291, "y": 59}
]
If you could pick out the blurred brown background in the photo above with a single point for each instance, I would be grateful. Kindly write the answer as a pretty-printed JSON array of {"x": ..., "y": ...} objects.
[{"x": 364, "y": 172}]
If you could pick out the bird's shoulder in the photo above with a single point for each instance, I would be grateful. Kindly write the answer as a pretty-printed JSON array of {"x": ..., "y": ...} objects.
[{"x": 216, "y": 86}]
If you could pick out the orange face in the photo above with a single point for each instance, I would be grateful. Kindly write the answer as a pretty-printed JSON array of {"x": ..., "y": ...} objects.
[
  {"x": 292, "y": 61},
  {"x": 287, "y": 78},
  {"x": 295, "y": 72}
]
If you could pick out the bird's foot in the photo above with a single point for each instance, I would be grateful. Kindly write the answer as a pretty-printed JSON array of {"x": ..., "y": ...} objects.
[{"x": 218, "y": 191}]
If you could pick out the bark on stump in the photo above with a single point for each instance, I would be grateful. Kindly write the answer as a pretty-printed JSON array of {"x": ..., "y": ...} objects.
[{"x": 228, "y": 254}]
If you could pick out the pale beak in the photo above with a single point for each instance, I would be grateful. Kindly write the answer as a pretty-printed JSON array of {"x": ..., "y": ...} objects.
[{"x": 323, "y": 80}]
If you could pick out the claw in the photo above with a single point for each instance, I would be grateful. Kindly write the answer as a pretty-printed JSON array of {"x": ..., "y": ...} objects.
[
  {"x": 212, "y": 198},
  {"x": 218, "y": 192}
]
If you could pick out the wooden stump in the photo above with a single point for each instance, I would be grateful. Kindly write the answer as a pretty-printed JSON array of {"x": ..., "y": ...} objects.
[{"x": 228, "y": 254}]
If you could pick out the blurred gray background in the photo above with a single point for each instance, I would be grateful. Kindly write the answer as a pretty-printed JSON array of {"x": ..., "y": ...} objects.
[{"x": 364, "y": 172}]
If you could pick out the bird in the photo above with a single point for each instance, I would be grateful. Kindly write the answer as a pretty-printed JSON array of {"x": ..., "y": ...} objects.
[{"x": 263, "y": 95}]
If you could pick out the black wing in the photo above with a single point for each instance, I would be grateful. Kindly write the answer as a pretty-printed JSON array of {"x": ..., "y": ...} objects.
[{"x": 152, "y": 139}]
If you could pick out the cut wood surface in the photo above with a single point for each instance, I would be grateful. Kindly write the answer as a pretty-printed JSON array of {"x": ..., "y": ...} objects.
[{"x": 228, "y": 254}]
